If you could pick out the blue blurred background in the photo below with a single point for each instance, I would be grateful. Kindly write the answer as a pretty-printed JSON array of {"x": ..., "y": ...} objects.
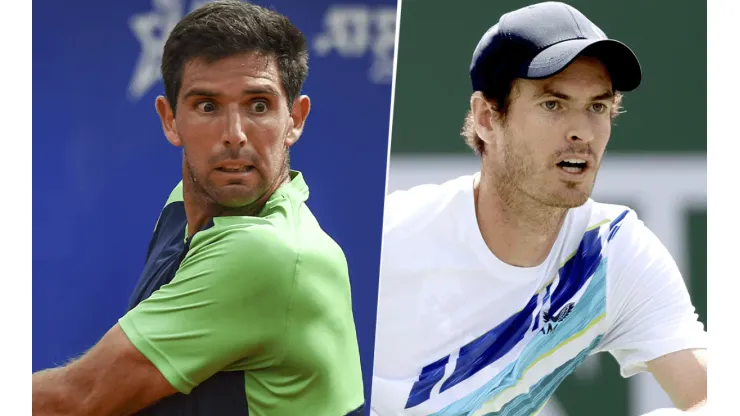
[{"x": 102, "y": 168}]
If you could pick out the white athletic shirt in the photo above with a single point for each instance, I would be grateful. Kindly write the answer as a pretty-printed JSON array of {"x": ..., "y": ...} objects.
[{"x": 459, "y": 332}]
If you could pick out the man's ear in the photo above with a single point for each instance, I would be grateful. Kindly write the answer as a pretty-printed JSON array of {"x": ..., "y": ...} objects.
[
  {"x": 298, "y": 114},
  {"x": 482, "y": 117},
  {"x": 167, "y": 116}
]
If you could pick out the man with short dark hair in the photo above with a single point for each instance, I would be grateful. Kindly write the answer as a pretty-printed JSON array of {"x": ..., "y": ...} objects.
[
  {"x": 496, "y": 286},
  {"x": 244, "y": 304}
]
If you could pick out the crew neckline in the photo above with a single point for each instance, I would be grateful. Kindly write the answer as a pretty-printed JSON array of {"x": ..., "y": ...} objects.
[{"x": 471, "y": 235}]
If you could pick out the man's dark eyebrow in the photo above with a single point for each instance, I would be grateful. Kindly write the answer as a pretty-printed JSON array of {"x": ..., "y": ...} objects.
[
  {"x": 608, "y": 95},
  {"x": 198, "y": 92},
  {"x": 547, "y": 91},
  {"x": 267, "y": 89}
]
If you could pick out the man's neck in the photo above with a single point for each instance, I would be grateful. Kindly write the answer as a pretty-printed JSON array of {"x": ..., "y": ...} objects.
[
  {"x": 518, "y": 230},
  {"x": 199, "y": 208}
]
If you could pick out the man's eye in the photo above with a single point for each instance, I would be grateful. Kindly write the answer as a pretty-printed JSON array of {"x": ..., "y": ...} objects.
[
  {"x": 598, "y": 107},
  {"x": 206, "y": 107},
  {"x": 259, "y": 106},
  {"x": 550, "y": 105}
]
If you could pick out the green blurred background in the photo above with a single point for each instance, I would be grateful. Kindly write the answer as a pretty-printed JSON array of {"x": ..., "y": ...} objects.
[{"x": 656, "y": 159}]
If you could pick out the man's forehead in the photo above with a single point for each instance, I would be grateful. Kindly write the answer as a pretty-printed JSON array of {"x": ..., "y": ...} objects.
[{"x": 255, "y": 65}]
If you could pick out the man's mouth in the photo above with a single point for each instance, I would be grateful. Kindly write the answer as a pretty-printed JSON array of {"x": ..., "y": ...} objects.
[
  {"x": 574, "y": 166},
  {"x": 235, "y": 169}
]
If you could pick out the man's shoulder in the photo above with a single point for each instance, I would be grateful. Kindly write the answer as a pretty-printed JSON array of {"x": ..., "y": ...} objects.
[
  {"x": 249, "y": 231},
  {"x": 620, "y": 220},
  {"x": 245, "y": 243},
  {"x": 172, "y": 206},
  {"x": 419, "y": 207},
  {"x": 175, "y": 194},
  {"x": 627, "y": 237},
  {"x": 594, "y": 218},
  {"x": 601, "y": 226},
  {"x": 597, "y": 213}
]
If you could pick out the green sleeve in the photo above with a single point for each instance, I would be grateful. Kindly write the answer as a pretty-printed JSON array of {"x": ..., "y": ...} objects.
[{"x": 226, "y": 304}]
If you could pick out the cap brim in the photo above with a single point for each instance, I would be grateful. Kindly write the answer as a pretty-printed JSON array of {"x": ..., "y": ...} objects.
[{"x": 618, "y": 58}]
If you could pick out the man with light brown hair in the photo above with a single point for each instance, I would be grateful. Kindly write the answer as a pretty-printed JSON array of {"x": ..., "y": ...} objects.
[{"x": 496, "y": 286}]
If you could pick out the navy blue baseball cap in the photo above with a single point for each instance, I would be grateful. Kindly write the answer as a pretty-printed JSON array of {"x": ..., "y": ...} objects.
[{"x": 541, "y": 40}]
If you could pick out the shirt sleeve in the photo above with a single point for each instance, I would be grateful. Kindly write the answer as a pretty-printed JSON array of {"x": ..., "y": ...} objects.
[
  {"x": 649, "y": 310},
  {"x": 227, "y": 302}
]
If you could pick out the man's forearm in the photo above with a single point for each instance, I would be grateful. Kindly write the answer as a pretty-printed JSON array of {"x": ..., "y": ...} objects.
[{"x": 53, "y": 394}]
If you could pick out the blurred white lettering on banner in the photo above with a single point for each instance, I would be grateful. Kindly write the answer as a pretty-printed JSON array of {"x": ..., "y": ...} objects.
[
  {"x": 353, "y": 31},
  {"x": 151, "y": 30}
]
